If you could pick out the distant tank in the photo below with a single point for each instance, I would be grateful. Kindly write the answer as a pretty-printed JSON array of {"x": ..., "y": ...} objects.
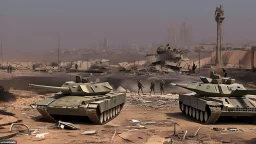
[
  {"x": 170, "y": 58},
  {"x": 94, "y": 100},
  {"x": 214, "y": 97}
]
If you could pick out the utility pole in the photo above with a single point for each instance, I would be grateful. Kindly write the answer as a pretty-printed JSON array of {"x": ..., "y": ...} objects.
[
  {"x": 199, "y": 51},
  {"x": 58, "y": 52},
  {"x": 2, "y": 56}
]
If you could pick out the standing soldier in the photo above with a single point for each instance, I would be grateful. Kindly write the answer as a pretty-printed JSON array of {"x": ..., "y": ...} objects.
[
  {"x": 34, "y": 67},
  {"x": 10, "y": 69},
  {"x": 162, "y": 87},
  {"x": 76, "y": 66},
  {"x": 140, "y": 86},
  {"x": 152, "y": 87},
  {"x": 194, "y": 68}
]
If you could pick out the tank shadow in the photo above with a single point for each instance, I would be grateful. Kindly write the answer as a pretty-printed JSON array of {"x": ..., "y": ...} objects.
[
  {"x": 252, "y": 141},
  {"x": 234, "y": 120},
  {"x": 179, "y": 115},
  {"x": 71, "y": 119}
]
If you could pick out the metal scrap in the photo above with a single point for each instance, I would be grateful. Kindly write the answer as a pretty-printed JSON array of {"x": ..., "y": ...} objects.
[
  {"x": 13, "y": 124},
  {"x": 41, "y": 136},
  {"x": 113, "y": 135},
  {"x": 89, "y": 132},
  {"x": 65, "y": 125}
]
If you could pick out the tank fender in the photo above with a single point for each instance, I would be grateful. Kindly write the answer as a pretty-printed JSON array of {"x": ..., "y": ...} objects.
[
  {"x": 109, "y": 103},
  {"x": 45, "y": 102},
  {"x": 213, "y": 103}
]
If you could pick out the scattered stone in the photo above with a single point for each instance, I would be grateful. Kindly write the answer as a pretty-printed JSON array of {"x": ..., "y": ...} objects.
[
  {"x": 232, "y": 129},
  {"x": 7, "y": 135},
  {"x": 146, "y": 123},
  {"x": 135, "y": 121},
  {"x": 217, "y": 129},
  {"x": 89, "y": 132},
  {"x": 41, "y": 136}
]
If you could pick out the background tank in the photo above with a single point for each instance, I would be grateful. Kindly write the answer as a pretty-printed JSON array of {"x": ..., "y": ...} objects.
[
  {"x": 94, "y": 100},
  {"x": 214, "y": 97}
]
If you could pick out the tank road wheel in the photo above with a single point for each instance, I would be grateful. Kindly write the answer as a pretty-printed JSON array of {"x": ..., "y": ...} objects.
[
  {"x": 190, "y": 111},
  {"x": 201, "y": 116},
  {"x": 116, "y": 111},
  {"x": 105, "y": 116},
  {"x": 206, "y": 116},
  {"x": 183, "y": 108},
  {"x": 180, "y": 104},
  {"x": 118, "y": 108},
  {"x": 110, "y": 113},
  {"x": 193, "y": 112},
  {"x": 197, "y": 114},
  {"x": 113, "y": 112},
  {"x": 101, "y": 118},
  {"x": 186, "y": 110}
]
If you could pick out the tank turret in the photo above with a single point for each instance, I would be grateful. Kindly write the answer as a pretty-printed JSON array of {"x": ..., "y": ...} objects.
[
  {"x": 81, "y": 89},
  {"x": 217, "y": 86},
  {"x": 97, "y": 101},
  {"x": 214, "y": 97}
]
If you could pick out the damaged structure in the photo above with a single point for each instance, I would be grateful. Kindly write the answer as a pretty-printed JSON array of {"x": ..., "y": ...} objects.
[{"x": 166, "y": 59}]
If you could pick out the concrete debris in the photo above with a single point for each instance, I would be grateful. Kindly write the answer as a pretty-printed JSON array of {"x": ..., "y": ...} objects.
[
  {"x": 148, "y": 123},
  {"x": 7, "y": 135},
  {"x": 138, "y": 126},
  {"x": 89, "y": 132},
  {"x": 135, "y": 121},
  {"x": 144, "y": 101},
  {"x": 41, "y": 135},
  {"x": 27, "y": 131},
  {"x": 65, "y": 125},
  {"x": 232, "y": 129},
  {"x": 217, "y": 129}
]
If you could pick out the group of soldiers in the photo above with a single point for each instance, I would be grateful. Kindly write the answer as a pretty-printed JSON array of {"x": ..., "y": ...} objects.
[
  {"x": 9, "y": 69},
  {"x": 152, "y": 87}
]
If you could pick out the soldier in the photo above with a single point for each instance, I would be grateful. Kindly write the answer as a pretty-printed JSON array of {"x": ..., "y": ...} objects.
[
  {"x": 10, "y": 69},
  {"x": 194, "y": 68},
  {"x": 162, "y": 87},
  {"x": 34, "y": 67},
  {"x": 225, "y": 72},
  {"x": 76, "y": 66},
  {"x": 140, "y": 86},
  {"x": 152, "y": 87}
]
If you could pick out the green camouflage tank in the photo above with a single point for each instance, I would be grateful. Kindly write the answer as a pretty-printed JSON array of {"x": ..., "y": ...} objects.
[
  {"x": 97, "y": 101},
  {"x": 214, "y": 97}
]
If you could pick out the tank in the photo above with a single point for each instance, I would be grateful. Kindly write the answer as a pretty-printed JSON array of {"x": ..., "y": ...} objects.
[
  {"x": 214, "y": 97},
  {"x": 97, "y": 101}
]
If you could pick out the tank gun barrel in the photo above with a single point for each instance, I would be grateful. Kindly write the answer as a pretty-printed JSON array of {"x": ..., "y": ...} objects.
[{"x": 51, "y": 88}]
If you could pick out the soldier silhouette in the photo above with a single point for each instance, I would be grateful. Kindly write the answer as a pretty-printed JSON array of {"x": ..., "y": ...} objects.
[
  {"x": 152, "y": 87},
  {"x": 162, "y": 87},
  {"x": 140, "y": 86}
]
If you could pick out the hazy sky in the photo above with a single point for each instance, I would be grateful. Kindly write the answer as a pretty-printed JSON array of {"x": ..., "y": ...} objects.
[{"x": 34, "y": 24}]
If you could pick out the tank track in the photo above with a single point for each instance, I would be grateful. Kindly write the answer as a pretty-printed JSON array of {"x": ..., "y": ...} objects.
[
  {"x": 215, "y": 114},
  {"x": 210, "y": 116},
  {"x": 43, "y": 111},
  {"x": 93, "y": 114},
  {"x": 101, "y": 118}
]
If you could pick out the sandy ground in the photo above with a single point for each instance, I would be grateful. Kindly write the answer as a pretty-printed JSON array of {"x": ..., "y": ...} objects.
[{"x": 163, "y": 111}]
